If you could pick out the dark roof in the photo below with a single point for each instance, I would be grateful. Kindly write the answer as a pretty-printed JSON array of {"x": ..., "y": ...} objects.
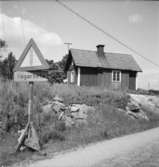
[{"x": 86, "y": 58}]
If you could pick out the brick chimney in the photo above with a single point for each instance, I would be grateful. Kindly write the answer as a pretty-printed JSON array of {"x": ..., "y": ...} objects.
[{"x": 100, "y": 50}]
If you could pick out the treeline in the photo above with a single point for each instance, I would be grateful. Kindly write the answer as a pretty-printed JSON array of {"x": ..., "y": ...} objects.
[
  {"x": 54, "y": 75},
  {"x": 6, "y": 67}
]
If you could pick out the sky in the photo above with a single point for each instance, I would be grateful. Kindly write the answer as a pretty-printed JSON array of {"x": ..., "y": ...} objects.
[{"x": 136, "y": 23}]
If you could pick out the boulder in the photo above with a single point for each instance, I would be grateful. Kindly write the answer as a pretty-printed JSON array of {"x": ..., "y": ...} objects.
[
  {"x": 47, "y": 108},
  {"x": 57, "y": 98},
  {"x": 133, "y": 105},
  {"x": 80, "y": 107},
  {"x": 68, "y": 121},
  {"x": 57, "y": 106},
  {"x": 138, "y": 115},
  {"x": 1, "y": 128},
  {"x": 134, "y": 110},
  {"x": 79, "y": 111}
]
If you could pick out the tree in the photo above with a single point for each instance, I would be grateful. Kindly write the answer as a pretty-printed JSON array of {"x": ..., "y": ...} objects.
[
  {"x": 62, "y": 63},
  {"x": 55, "y": 73},
  {"x": 7, "y": 66},
  {"x": 2, "y": 43}
]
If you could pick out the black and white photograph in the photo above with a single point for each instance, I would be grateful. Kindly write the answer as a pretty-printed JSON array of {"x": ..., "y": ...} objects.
[{"x": 79, "y": 83}]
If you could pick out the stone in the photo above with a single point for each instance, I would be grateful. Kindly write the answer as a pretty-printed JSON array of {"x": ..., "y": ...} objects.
[
  {"x": 68, "y": 121},
  {"x": 133, "y": 105},
  {"x": 47, "y": 108},
  {"x": 57, "y": 98},
  {"x": 134, "y": 110},
  {"x": 139, "y": 115},
  {"x": 80, "y": 107},
  {"x": 57, "y": 106}
]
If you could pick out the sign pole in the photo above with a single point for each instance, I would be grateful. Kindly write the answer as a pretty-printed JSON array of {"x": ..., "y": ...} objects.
[
  {"x": 30, "y": 103},
  {"x": 30, "y": 107}
]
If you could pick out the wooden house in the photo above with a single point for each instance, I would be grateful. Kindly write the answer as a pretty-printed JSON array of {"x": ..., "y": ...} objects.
[{"x": 97, "y": 68}]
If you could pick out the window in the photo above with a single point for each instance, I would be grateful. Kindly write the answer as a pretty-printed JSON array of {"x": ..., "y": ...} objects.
[
  {"x": 116, "y": 76},
  {"x": 72, "y": 77}
]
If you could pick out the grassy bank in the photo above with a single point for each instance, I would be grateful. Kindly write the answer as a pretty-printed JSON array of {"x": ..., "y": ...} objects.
[{"x": 104, "y": 123}]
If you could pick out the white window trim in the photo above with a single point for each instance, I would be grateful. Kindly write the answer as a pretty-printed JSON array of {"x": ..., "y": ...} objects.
[
  {"x": 78, "y": 76},
  {"x": 119, "y": 75}
]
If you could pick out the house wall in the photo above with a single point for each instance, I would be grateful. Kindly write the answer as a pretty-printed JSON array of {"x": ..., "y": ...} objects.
[
  {"x": 103, "y": 78},
  {"x": 72, "y": 68},
  {"x": 128, "y": 80},
  {"x": 88, "y": 76},
  {"x": 132, "y": 80},
  {"x": 124, "y": 80}
]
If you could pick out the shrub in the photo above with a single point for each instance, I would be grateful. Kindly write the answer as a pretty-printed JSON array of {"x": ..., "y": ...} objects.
[
  {"x": 52, "y": 135},
  {"x": 60, "y": 126}
]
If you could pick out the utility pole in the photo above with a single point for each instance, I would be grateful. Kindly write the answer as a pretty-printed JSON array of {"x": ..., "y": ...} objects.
[
  {"x": 68, "y": 45},
  {"x": 148, "y": 85}
]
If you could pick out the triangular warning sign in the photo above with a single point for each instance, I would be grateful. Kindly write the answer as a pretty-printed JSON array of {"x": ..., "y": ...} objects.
[{"x": 31, "y": 59}]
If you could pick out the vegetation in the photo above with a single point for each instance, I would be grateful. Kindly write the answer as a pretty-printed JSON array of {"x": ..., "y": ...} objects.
[{"x": 104, "y": 123}]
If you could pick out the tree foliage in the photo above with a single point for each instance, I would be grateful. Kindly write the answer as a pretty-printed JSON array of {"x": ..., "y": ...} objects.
[
  {"x": 56, "y": 73},
  {"x": 7, "y": 66},
  {"x": 3, "y": 43}
]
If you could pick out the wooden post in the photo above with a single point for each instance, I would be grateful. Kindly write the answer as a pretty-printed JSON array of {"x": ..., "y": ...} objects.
[
  {"x": 30, "y": 103},
  {"x": 30, "y": 108}
]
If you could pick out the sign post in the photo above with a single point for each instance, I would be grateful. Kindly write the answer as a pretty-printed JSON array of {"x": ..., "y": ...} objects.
[
  {"x": 30, "y": 62},
  {"x": 30, "y": 103}
]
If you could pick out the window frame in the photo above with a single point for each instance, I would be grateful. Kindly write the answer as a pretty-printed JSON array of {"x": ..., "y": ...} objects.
[{"x": 115, "y": 76}]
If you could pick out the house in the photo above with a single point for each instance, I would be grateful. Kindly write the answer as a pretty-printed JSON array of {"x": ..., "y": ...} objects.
[{"x": 97, "y": 68}]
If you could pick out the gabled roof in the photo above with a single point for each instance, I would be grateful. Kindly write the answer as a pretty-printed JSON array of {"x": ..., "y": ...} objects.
[{"x": 86, "y": 58}]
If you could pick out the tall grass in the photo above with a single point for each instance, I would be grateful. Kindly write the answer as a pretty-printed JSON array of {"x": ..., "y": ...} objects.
[{"x": 14, "y": 101}]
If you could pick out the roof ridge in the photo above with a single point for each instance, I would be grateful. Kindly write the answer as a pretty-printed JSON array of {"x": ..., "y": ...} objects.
[
  {"x": 104, "y": 52},
  {"x": 83, "y": 50}
]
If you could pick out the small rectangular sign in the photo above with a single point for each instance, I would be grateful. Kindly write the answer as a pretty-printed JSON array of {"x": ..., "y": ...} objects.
[{"x": 23, "y": 76}]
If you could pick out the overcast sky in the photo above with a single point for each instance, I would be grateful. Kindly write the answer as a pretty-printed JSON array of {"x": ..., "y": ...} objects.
[{"x": 136, "y": 23}]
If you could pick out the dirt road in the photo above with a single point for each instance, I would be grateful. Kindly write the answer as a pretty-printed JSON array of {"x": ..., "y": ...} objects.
[{"x": 136, "y": 150}]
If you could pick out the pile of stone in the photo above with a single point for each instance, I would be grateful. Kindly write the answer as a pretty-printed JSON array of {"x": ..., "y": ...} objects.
[
  {"x": 72, "y": 115},
  {"x": 79, "y": 113},
  {"x": 1, "y": 128},
  {"x": 134, "y": 110}
]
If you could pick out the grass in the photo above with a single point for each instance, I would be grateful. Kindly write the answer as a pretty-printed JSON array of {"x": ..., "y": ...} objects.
[{"x": 104, "y": 123}]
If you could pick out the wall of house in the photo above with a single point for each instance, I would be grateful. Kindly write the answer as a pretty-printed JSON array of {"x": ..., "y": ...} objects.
[
  {"x": 104, "y": 78},
  {"x": 132, "y": 80},
  {"x": 88, "y": 76},
  {"x": 124, "y": 80},
  {"x": 72, "y": 68}
]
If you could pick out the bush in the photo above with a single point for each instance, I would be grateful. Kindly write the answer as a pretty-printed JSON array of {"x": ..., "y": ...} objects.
[
  {"x": 60, "y": 126},
  {"x": 52, "y": 135}
]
